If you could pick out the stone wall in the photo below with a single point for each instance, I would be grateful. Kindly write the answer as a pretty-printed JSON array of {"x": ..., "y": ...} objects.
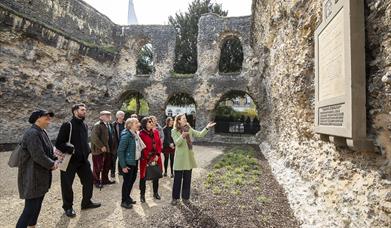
[
  {"x": 46, "y": 65},
  {"x": 327, "y": 186},
  {"x": 73, "y": 18}
]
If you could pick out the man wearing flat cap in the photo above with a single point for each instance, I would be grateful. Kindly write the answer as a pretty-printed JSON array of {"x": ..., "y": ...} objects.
[
  {"x": 102, "y": 143},
  {"x": 73, "y": 138}
]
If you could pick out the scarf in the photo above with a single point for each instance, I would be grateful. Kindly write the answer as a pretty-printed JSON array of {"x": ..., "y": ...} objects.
[
  {"x": 188, "y": 139},
  {"x": 139, "y": 145}
]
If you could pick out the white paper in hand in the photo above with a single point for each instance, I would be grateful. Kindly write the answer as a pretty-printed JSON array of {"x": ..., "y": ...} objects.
[{"x": 65, "y": 162}]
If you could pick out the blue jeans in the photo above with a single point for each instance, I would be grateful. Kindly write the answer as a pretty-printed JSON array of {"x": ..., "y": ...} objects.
[{"x": 29, "y": 216}]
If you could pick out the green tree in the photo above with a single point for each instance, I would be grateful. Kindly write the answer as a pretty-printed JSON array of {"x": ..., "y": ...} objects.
[
  {"x": 186, "y": 26},
  {"x": 136, "y": 104},
  {"x": 231, "y": 57},
  {"x": 145, "y": 60},
  {"x": 132, "y": 107}
]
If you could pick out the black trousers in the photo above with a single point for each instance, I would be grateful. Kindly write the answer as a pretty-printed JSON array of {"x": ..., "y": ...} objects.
[
  {"x": 182, "y": 181},
  {"x": 127, "y": 185},
  {"x": 83, "y": 170},
  {"x": 113, "y": 163},
  {"x": 155, "y": 184},
  {"x": 29, "y": 216},
  {"x": 168, "y": 156}
]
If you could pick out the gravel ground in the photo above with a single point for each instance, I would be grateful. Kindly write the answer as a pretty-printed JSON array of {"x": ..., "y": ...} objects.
[{"x": 206, "y": 209}]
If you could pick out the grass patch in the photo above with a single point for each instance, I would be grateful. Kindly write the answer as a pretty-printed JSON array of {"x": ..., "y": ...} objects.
[
  {"x": 179, "y": 75},
  {"x": 263, "y": 199},
  {"x": 237, "y": 168}
]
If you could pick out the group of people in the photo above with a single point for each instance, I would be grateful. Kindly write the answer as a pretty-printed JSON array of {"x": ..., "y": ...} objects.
[{"x": 137, "y": 145}]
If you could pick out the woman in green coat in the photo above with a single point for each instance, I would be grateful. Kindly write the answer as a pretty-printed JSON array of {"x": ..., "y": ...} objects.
[
  {"x": 128, "y": 157},
  {"x": 184, "y": 160}
]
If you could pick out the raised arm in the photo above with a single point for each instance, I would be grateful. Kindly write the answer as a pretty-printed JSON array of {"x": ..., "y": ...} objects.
[{"x": 199, "y": 134}]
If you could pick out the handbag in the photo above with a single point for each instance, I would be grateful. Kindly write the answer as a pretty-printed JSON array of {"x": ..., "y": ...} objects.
[
  {"x": 153, "y": 172},
  {"x": 63, "y": 165},
  {"x": 14, "y": 159}
]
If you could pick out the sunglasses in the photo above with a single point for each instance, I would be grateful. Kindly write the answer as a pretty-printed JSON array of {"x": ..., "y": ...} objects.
[{"x": 150, "y": 121}]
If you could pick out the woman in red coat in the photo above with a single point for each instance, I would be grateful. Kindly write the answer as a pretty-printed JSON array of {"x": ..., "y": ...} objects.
[{"x": 149, "y": 155}]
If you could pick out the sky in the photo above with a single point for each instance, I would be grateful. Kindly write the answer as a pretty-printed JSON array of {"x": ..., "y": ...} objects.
[{"x": 158, "y": 11}]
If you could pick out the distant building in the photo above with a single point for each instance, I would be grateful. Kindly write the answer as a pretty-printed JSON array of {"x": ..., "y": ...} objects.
[
  {"x": 172, "y": 110},
  {"x": 240, "y": 104},
  {"x": 132, "y": 19}
]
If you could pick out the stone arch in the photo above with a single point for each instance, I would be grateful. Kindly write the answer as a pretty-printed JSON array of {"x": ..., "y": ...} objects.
[
  {"x": 140, "y": 97},
  {"x": 189, "y": 105},
  {"x": 248, "y": 119},
  {"x": 231, "y": 53}
]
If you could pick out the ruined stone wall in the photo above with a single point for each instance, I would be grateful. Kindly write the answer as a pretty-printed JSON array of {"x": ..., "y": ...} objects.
[
  {"x": 38, "y": 73},
  {"x": 327, "y": 186},
  {"x": 48, "y": 66},
  {"x": 73, "y": 18}
]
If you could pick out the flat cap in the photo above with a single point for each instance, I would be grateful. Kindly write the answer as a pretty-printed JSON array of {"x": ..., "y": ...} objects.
[{"x": 104, "y": 113}]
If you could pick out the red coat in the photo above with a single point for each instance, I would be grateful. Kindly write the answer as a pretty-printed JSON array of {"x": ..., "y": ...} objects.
[{"x": 144, "y": 155}]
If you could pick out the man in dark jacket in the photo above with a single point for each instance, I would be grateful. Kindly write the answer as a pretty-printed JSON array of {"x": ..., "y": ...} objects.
[
  {"x": 35, "y": 167},
  {"x": 79, "y": 161},
  {"x": 118, "y": 127}
]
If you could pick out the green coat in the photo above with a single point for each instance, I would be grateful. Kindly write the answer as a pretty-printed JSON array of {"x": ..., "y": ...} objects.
[
  {"x": 127, "y": 149},
  {"x": 184, "y": 158}
]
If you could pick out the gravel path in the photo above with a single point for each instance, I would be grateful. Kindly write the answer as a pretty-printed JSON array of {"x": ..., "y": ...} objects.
[{"x": 153, "y": 213}]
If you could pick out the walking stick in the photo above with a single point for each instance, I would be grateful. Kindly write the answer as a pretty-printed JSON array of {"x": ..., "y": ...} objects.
[{"x": 101, "y": 173}]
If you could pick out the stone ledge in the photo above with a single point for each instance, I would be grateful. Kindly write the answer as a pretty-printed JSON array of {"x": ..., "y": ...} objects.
[{"x": 52, "y": 36}]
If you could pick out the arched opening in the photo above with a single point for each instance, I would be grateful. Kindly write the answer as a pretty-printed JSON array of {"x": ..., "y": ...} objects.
[
  {"x": 231, "y": 56},
  {"x": 134, "y": 103},
  {"x": 236, "y": 113},
  {"x": 182, "y": 103},
  {"x": 144, "y": 64}
]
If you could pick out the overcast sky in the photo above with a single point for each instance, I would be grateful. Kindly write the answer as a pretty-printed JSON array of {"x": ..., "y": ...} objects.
[{"x": 157, "y": 11}]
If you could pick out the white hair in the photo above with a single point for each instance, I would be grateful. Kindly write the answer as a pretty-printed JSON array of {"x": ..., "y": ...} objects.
[{"x": 119, "y": 113}]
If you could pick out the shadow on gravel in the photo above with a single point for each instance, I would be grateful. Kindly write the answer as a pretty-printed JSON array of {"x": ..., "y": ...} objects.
[{"x": 195, "y": 217}]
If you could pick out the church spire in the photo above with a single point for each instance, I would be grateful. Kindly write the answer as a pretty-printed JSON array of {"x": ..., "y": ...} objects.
[{"x": 132, "y": 19}]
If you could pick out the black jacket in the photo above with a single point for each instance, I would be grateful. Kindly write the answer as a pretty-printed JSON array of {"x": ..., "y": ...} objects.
[
  {"x": 118, "y": 128},
  {"x": 36, "y": 161},
  {"x": 79, "y": 139},
  {"x": 167, "y": 136}
]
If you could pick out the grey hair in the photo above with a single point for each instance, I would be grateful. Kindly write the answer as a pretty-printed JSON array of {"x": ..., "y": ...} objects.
[{"x": 119, "y": 113}]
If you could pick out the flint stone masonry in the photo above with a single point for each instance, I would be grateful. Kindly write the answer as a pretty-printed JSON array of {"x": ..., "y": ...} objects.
[
  {"x": 44, "y": 65},
  {"x": 92, "y": 60},
  {"x": 76, "y": 19},
  {"x": 343, "y": 188}
]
